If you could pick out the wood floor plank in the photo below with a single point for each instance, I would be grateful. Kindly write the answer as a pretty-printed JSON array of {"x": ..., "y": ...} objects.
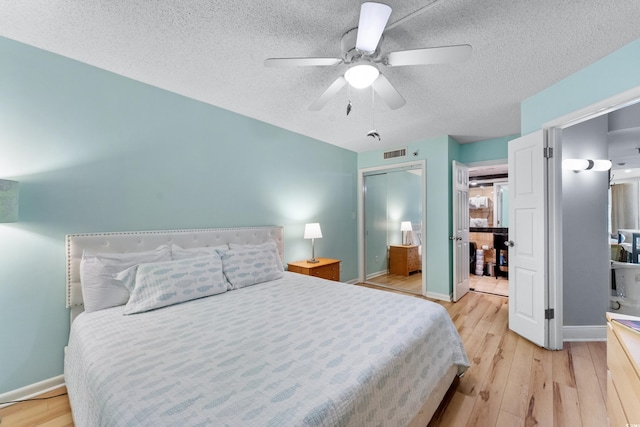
[
  {"x": 487, "y": 407},
  {"x": 501, "y": 322},
  {"x": 516, "y": 394},
  {"x": 506, "y": 419},
  {"x": 566, "y": 408},
  {"x": 598, "y": 352},
  {"x": 457, "y": 412},
  {"x": 540, "y": 398},
  {"x": 592, "y": 401},
  {"x": 563, "y": 372},
  {"x": 481, "y": 362}
]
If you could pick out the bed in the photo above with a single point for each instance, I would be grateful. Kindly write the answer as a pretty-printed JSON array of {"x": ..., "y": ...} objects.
[{"x": 293, "y": 350}]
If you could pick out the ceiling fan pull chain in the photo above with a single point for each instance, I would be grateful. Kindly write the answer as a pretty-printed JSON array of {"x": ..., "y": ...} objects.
[
  {"x": 373, "y": 103},
  {"x": 349, "y": 105},
  {"x": 373, "y": 133}
]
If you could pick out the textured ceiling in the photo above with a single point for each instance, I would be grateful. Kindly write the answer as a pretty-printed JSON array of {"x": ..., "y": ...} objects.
[{"x": 214, "y": 50}]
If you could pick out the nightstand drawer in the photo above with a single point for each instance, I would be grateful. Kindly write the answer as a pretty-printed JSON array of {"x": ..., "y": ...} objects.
[
  {"x": 329, "y": 272},
  {"x": 325, "y": 268}
]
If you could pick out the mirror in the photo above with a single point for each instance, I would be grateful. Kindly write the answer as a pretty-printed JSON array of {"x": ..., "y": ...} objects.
[
  {"x": 393, "y": 228},
  {"x": 488, "y": 203}
]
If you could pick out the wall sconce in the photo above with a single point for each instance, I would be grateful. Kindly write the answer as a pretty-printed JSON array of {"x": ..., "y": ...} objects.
[
  {"x": 8, "y": 200},
  {"x": 578, "y": 165},
  {"x": 312, "y": 231},
  {"x": 404, "y": 227}
]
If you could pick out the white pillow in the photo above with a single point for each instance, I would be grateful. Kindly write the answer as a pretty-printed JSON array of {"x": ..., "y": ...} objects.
[
  {"x": 270, "y": 244},
  {"x": 181, "y": 253},
  {"x": 246, "y": 267},
  {"x": 160, "y": 284},
  {"x": 100, "y": 289}
]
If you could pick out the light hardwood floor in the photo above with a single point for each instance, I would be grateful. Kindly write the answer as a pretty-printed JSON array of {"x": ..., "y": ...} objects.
[
  {"x": 511, "y": 382},
  {"x": 491, "y": 285},
  {"x": 54, "y": 412},
  {"x": 411, "y": 283}
]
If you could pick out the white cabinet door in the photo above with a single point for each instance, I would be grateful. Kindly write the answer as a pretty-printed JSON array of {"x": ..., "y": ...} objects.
[
  {"x": 528, "y": 238},
  {"x": 460, "y": 236}
]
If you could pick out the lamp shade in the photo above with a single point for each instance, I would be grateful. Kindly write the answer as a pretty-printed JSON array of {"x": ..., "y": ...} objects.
[
  {"x": 405, "y": 226},
  {"x": 312, "y": 231},
  {"x": 8, "y": 201},
  {"x": 586, "y": 164},
  {"x": 601, "y": 165},
  {"x": 575, "y": 164}
]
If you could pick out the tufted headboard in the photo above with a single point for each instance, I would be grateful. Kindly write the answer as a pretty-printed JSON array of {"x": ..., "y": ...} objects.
[{"x": 139, "y": 241}]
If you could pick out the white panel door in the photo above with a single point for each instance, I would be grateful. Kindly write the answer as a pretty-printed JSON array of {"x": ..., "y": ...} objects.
[
  {"x": 527, "y": 238},
  {"x": 460, "y": 236}
]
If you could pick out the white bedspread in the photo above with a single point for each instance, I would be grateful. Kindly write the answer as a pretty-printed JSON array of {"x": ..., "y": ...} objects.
[{"x": 297, "y": 351}]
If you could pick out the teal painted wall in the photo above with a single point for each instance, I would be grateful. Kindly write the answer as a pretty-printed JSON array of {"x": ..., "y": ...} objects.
[
  {"x": 490, "y": 149},
  {"x": 94, "y": 151},
  {"x": 436, "y": 152},
  {"x": 613, "y": 74}
]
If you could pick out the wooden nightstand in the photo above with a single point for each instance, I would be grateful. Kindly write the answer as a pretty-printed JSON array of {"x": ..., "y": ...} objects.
[
  {"x": 404, "y": 260},
  {"x": 326, "y": 268}
]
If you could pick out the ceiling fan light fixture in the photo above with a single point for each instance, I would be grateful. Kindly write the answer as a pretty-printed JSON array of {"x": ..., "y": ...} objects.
[{"x": 362, "y": 75}]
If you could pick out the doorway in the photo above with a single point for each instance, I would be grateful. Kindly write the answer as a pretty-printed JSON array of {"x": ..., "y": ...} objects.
[
  {"x": 563, "y": 326},
  {"x": 489, "y": 228},
  {"x": 392, "y": 218}
]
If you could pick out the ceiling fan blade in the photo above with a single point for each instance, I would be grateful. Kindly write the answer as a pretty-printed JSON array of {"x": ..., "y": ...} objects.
[
  {"x": 388, "y": 93},
  {"x": 373, "y": 19},
  {"x": 301, "y": 62},
  {"x": 333, "y": 89},
  {"x": 429, "y": 55}
]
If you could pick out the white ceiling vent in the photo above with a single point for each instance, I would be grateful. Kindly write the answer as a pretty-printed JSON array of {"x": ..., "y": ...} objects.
[{"x": 401, "y": 152}]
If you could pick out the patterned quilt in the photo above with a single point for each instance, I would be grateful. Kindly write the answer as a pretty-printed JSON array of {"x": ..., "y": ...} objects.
[{"x": 297, "y": 351}]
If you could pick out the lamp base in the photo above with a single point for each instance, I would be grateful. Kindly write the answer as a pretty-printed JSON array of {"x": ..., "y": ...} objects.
[{"x": 313, "y": 261}]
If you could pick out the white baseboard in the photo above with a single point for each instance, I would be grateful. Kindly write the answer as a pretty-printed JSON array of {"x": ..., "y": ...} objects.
[
  {"x": 32, "y": 390},
  {"x": 441, "y": 297},
  {"x": 584, "y": 333},
  {"x": 376, "y": 274}
]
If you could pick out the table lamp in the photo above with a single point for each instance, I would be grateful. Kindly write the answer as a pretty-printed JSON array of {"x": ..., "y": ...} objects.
[
  {"x": 404, "y": 227},
  {"x": 312, "y": 231}
]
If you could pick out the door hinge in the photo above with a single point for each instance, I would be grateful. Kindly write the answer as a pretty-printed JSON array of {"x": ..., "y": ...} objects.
[
  {"x": 549, "y": 314},
  {"x": 548, "y": 152}
]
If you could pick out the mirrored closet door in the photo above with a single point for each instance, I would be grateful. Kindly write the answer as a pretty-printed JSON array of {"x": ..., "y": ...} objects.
[{"x": 393, "y": 229}]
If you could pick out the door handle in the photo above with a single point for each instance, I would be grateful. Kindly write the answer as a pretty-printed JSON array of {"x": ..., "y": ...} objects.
[
  {"x": 509, "y": 243},
  {"x": 455, "y": 238}
]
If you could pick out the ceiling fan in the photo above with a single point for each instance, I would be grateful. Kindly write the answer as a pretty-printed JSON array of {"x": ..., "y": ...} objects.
[{"x": 361, "y": 51}]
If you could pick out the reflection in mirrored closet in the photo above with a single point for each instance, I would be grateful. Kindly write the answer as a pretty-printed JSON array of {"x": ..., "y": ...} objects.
[{"x": 393, "y": 228}]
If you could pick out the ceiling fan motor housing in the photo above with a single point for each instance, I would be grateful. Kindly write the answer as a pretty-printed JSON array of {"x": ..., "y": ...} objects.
[{"x": 351, "y": 54}]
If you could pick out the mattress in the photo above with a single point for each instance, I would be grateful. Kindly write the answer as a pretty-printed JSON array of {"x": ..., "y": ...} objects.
[{"x": 297, "y": 351}]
